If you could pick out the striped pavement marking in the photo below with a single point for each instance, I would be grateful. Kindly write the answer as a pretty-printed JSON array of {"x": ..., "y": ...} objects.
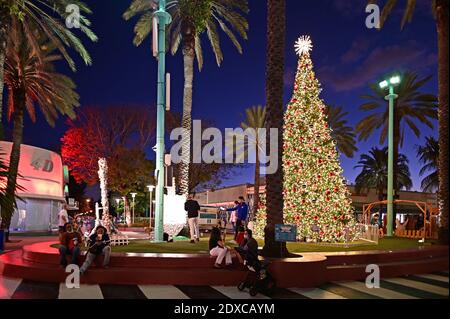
[
  {"x": 36, "y": 290},
  {"x": 428, "y": 281},
  {"x": 419, "y": 285},
  {"x": 234, "y": 293},
  {"x": 121, "y": 292},
  {"x": 8, "y": 286},
  {"x": 316, "y": 293},
  {"x": 84, "y": 292},
  {"x": 379, "y": 292},
  {"x": 162, "y": 292},
  {"x": 346, "y": 292},
  {"x": 202, "y": 292},
  {"x": 426, "y": 286},
  {"x": 434, "y": 277}
]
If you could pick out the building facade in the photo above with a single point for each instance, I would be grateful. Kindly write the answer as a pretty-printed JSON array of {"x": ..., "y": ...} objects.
[{"x": 42, "y": 188}]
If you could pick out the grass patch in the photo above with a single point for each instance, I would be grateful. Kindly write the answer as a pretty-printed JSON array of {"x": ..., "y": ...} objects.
[{"x": 144, "y": 246}]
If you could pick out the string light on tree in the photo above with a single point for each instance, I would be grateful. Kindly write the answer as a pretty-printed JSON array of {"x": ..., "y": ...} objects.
[
  {"x": 103, "y": 178},
  {"x": 316, "y": 198}
]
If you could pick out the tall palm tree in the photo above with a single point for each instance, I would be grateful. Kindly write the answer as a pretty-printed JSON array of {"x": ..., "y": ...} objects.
[
  {"x": 429, "y": 156},
  {"x": 276, "y": 38},
  {"x": 43, "y": 17},
  {"x": 441, "y": 13},
  {"x": 3, "y": 177},
  {"x": 411, "y": 107},
  {"x": 255, "y": 120},
  {"x": 190, "y": 19},
  {"x": 374, "y": 172},
  {"x": 31, "y": 80},
  {"x": 343, "y": 134}
]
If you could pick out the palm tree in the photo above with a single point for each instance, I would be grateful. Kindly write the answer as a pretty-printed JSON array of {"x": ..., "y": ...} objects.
[
  {"x": 3, "y": 177},
  {"x": 255, "y": 120},
  {"x": 441, "y": 12},
  {"x": 343, "y": 134},
  {"x": 412, "y": 106},
  {"x": 276, "y": 33},
  {"x": 374, "y": 172},
  {"x": 190, "y": 19},
  {"x": 31, "y": 80},
  {"x": 35, "y": 17},
  {"x": 429, "y": 156}
]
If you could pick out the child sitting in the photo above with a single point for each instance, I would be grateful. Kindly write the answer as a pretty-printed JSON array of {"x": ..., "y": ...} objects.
[{"x": 240, "y": 236}]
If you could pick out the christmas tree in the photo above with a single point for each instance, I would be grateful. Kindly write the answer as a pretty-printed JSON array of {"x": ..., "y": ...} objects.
[{"x": 316, "y": 197}]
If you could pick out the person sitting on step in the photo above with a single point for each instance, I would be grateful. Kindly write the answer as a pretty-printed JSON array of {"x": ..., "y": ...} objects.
[
  {"x": 99, "y": 244},
  {"x": 70, "y": 245},
  {"x": 218, "y": 249}
]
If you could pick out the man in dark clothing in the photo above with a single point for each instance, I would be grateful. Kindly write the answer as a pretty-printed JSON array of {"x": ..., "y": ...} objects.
[
  {"x": 70, "y": 245},
  {"x": 99, "y": 244},
  {"x": 249, "y": 249},
  {"x": 242, "y": 214},
  {"x": 192, "y": 207}
]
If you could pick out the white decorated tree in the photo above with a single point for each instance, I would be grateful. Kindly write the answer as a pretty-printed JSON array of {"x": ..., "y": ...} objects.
[{"x": 103, "y": 178}]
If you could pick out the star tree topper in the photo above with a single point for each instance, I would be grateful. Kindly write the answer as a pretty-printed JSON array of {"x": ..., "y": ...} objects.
[{"x": 303, "y": 45}]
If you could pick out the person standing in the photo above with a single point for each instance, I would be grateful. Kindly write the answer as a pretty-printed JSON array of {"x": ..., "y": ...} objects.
[
  {"x": 192, "y": 207},
  {"x": 63, "y": 218},
  {"x": 242, "y": 214},
  {"x": 233, "y": 217}
]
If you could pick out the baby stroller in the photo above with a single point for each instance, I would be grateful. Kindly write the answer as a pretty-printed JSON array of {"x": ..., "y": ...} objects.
[{"x": 258, "y": 279}]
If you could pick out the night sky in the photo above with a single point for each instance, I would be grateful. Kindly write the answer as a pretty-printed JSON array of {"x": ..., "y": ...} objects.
[{"x": 346, "y": 55}]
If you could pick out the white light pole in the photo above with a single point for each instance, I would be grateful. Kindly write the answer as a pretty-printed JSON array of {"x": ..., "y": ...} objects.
[
  {"x": 133, "y": 195},
  {"x": 150, "y": 189}
]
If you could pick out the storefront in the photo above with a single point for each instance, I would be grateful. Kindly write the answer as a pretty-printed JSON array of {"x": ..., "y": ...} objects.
[{"x": 42, "y": 179}]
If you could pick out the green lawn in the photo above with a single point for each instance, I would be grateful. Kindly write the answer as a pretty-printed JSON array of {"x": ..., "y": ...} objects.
[{"x": 144, "y": 246}]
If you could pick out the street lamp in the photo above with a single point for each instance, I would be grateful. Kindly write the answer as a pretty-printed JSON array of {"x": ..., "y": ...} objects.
[
  {"x": 151, "y": 189},
  {"x": 133, "y": 195},
  {"x": 162, "y": 19},
  {"x": 391, "y": 83}
]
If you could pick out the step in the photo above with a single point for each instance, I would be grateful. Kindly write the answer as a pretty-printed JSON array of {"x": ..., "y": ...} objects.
[
  {"x": 387, "y": 270},
  {"x": 12, "y": 265},
  {"x": 45, "y": 254},
  {"x": 379, "y": 257}
]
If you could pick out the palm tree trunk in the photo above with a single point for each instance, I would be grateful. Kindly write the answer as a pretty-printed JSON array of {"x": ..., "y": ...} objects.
[
  {"x": 276, "y": 33},
  {"x": 4, "y": 23},
  {"x": 442, "y": 7},
  {"x": 256, "y": 186},
  {"x": 188, "y": 59},
  {"x": 7, "y": 213}
]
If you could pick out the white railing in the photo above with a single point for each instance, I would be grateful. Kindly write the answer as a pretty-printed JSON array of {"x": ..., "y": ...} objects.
[{"x": 368, "y": 233}]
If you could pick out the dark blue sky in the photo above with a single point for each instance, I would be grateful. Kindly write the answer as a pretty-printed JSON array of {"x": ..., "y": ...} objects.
[{"x": 346, "y": 55}]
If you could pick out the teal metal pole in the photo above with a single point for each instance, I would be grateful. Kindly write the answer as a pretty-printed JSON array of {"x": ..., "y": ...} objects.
[
  {"x": 390, "y": 187},
  {"x": 163, "y": 19}
]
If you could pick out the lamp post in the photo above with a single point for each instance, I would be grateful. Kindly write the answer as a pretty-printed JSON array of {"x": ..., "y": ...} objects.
[
  {"x": 150, "y": 189},
  {"x": 161, "y": 19},
  {"x": 133, "y": 195},
  {"x": 391, "y": 83}
]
